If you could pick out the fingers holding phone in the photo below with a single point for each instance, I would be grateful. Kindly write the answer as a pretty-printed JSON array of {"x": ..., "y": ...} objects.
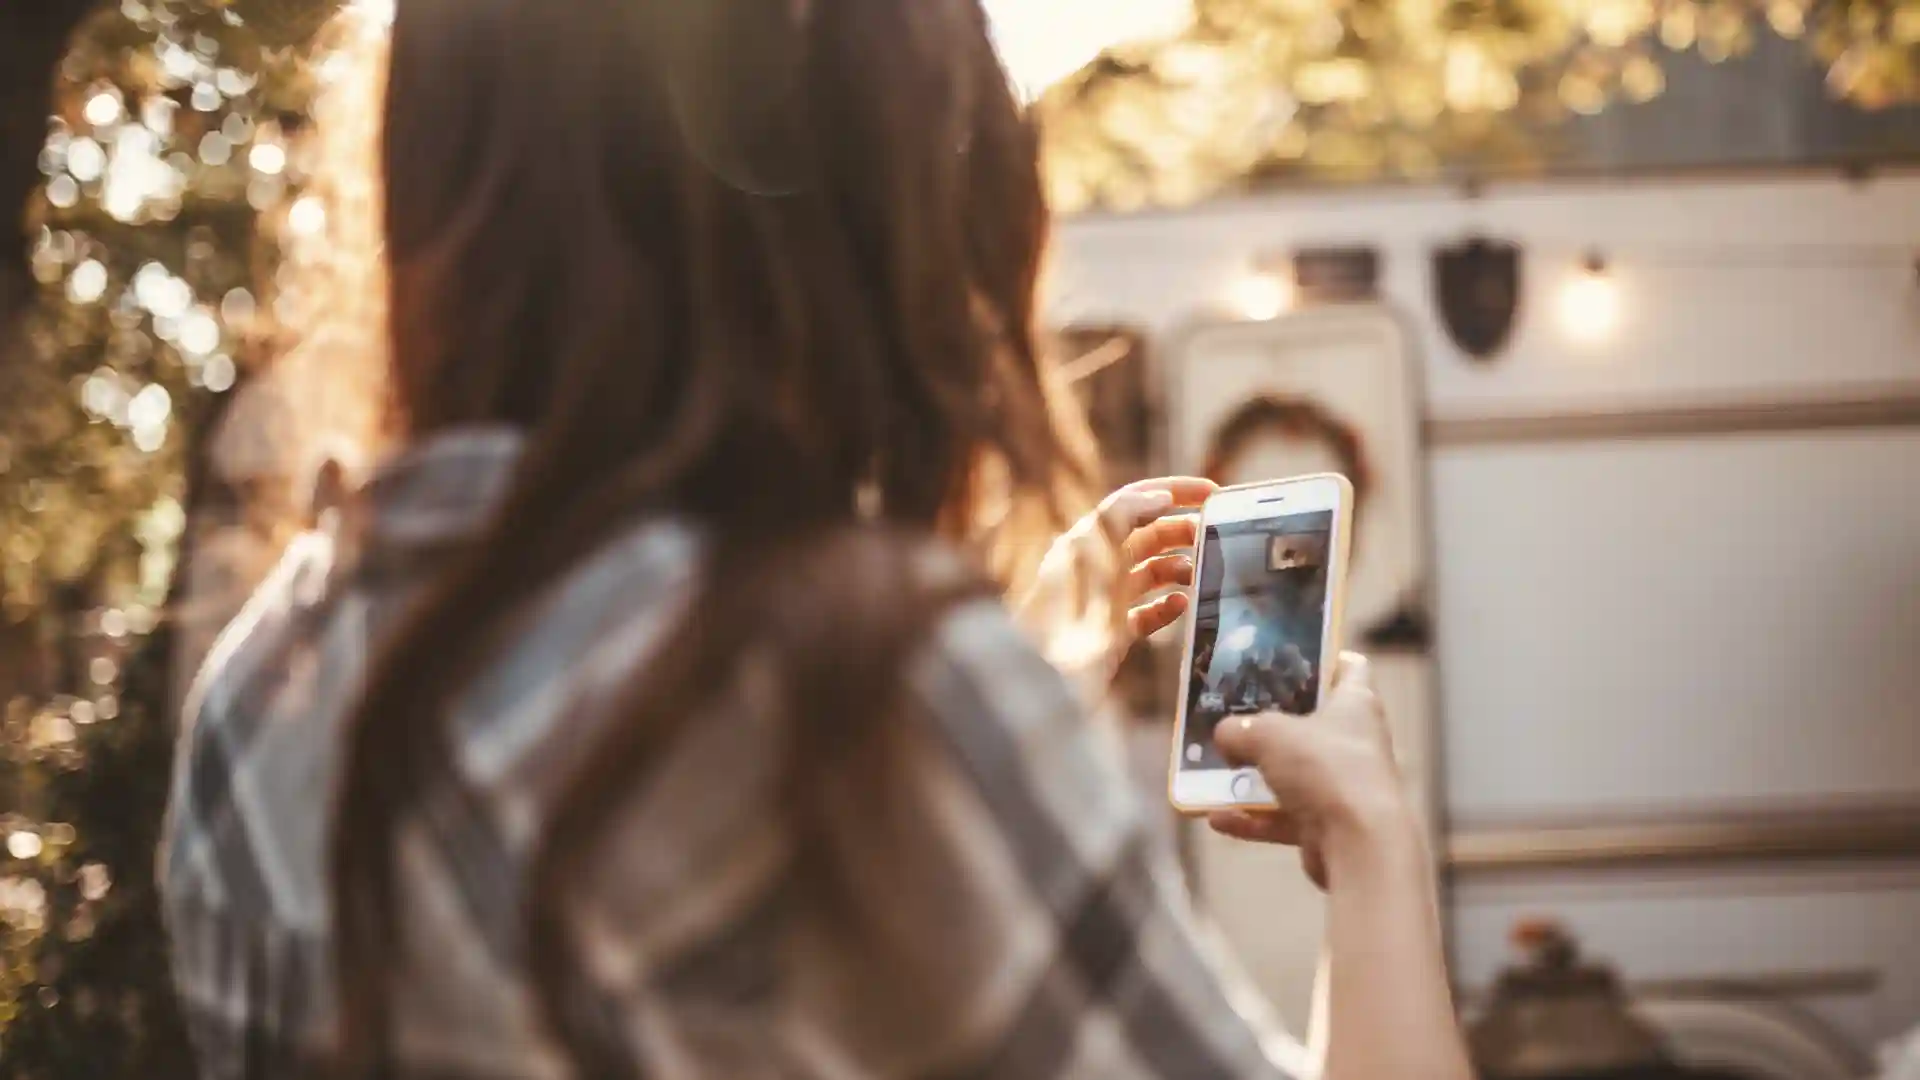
[
  {"x": 1276, "y": 827},
  {"x": 1152, "y": 547},
  {"x": 1327, "y": 771}
]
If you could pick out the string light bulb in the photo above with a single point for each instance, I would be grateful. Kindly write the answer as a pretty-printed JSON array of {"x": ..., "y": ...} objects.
[
  {"x": 1263, "y": 295},
  {"x": 1590, "y": 302}
]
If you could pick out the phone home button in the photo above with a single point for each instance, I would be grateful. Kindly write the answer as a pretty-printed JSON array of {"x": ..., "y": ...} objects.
[{"x": 1242, "y": 786}]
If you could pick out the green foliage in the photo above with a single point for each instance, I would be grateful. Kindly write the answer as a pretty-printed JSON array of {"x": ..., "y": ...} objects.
[
  {"x": 1359, "y": 89},
  {"x": 172, "y": 141}
]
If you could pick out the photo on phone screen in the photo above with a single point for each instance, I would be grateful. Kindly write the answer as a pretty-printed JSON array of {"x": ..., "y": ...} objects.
[{"x": 1260, "y": 613}]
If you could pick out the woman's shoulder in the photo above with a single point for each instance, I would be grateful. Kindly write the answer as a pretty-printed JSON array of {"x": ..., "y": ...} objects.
[
  {"x": 1053, "y": 777},
  {"x": 980, "y": 660},
  {"x": 268, "y": 615}
]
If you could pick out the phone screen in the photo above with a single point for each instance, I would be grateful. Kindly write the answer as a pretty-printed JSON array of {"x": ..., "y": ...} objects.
[{"x": 1260, "y": 614}]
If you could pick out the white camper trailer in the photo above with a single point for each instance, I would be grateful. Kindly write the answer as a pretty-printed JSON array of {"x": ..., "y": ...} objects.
[{"x": 1668, "y": 528}]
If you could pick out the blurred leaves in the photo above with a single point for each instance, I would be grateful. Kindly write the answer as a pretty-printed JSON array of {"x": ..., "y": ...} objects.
[
  {"x": 170, "y": 136},
  {"x": 172, "y": 140},
  {"x": 1352, "y": 89}
]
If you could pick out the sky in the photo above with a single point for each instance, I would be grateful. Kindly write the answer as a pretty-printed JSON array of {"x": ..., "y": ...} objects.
[{"x": 1044, "y": 41}]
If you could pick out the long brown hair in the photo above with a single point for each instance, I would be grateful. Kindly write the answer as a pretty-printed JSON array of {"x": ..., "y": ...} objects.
[{"x": 784, "y": 294}]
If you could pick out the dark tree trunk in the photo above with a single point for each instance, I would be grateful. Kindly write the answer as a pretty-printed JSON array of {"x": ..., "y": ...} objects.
[{"x": 33, "y": 38}]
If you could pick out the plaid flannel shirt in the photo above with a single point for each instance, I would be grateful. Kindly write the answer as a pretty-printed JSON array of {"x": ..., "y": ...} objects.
[{"x": 1010, "y": 917}]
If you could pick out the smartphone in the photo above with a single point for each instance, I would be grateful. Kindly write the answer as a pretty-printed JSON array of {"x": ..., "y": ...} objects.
[{"x": 1263, "y": 631}]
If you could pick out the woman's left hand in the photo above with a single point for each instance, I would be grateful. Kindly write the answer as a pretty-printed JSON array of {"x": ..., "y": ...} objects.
[
  {"x": 1130, "y": 549},
  {"x": 1153, "y": 551}
]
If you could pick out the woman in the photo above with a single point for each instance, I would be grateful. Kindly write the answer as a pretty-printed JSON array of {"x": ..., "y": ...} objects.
[{"x": 651, "y": 711}]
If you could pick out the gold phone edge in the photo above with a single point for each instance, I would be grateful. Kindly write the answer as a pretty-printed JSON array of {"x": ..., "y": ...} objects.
[{"x": 1334, "y": 642}]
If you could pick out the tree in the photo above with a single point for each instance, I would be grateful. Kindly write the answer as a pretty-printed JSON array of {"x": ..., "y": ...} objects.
[
  {"x": 1282, "y": 89},
  {"x": 32, "y": 39},
  {"x": 141, "y": 146}
]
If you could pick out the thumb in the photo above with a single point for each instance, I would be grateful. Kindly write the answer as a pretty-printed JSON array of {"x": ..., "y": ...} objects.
[
  {"x": 1353, "y": 674},
  {"x": 1353, "y": 697},
  {"x": 1250, "y": 740}
]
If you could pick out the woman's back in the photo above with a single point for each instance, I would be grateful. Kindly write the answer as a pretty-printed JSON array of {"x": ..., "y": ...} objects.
[
  {"x": 634, "y": 721},
  {"x": 975, "y": 893}
]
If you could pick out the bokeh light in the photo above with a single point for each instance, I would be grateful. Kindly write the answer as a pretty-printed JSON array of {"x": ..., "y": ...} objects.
[
  {"x": 87, "y": 283},
  {"x": 1589, "y": 303},
  {"x": 267, "y": 158},
  {"x": 103, "y": 108},
  {"x": 307, "y": 217},
  {"x": 1262, "y": 296}
]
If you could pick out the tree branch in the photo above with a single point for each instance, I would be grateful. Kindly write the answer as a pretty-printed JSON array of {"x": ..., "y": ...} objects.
[{"x": 33, "y": 38}]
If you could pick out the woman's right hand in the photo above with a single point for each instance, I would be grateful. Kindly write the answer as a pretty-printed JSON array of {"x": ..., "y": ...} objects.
[
  {"x": 1333, "y": 774},
  {"x": 1387, "y": 1010}
]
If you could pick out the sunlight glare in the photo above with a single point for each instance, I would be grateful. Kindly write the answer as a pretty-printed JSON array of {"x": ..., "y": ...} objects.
[{"x": 1042, "y": 43}]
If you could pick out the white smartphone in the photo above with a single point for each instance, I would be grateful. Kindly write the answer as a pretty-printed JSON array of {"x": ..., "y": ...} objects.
[{"x": 1263, "y": 630}]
